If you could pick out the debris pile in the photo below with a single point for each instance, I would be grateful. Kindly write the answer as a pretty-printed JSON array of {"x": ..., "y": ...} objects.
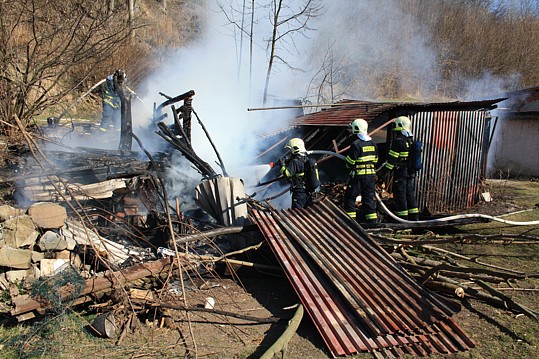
[{"x": 103, "y": 233}]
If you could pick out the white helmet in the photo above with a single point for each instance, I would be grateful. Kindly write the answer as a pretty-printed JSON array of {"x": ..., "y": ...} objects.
[
  {"x": 359, "y": 126},
  {"x": 296, "y": 146},
  {"x": 404, "y": 125}
]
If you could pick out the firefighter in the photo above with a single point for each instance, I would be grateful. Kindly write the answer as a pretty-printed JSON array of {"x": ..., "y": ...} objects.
[
  {"x": 294, "y": 170},
  {"x": 361, "y": 161},
  {"x": 404, "y": 178},
  {"x": 111, "y": 113}
]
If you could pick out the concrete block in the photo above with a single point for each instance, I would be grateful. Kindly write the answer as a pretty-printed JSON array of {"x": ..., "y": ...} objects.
[{"x": 52, "y": 266}]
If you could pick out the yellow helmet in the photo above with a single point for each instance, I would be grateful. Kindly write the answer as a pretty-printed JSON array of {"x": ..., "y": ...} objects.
[
  {"x": 359, "y": 126},
  {"x": 403, "y": 124},
  {"x": 296, "y": 145}
]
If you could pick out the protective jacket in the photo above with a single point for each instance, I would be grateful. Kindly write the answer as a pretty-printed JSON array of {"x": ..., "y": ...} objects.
[
  {"x": 362, "y": 157},
  {"x": 110, "y": 97},
  {"x": 361, "y": 161},
  {"x": 293, "y": 170}
]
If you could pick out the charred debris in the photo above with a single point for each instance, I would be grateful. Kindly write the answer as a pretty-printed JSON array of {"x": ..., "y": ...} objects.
[{"x": 100, "y": 232}]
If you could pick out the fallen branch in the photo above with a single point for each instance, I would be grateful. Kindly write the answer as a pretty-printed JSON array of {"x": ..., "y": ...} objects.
[
  {"x": 503, "y": 239},
  {"x": 24, "y": 303},
  {"x": 450, "y": 286},
  {"x": 217, "y": 311},
  {"x": 214, "y": 233},
  {"x": 473, "y": 260},
  {"x": 509, "y": 301},
  {"x": 438, "y": 266},
  {"x": 281, "y": 344}
]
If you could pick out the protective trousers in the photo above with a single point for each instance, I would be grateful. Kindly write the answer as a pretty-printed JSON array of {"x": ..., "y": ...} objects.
[
  {"x": 110, "y": 117},
  {"x": 301, "y": 198},
  {"x": 405, "y": 199},
  {"x": 364, "y": 185}
]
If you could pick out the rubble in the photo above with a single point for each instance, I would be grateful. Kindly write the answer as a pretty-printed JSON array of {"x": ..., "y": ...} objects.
[{"x": 109, "y": 238}]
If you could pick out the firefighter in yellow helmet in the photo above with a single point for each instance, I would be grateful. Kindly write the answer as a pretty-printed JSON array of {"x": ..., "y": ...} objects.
[
  {"x": 361, "y": 161},
  {"x": 302, "y": 173},
  {"x": 404, "y": 191}
]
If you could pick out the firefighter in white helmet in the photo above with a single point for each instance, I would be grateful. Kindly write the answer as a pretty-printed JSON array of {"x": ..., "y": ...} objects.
[
  {"x": 302, "y": 173},
  {"x": 404, "y": 191},
  {"x": 361, "y": 161}
]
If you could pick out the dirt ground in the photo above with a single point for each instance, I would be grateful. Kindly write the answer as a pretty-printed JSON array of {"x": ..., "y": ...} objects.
[{"x": 498, "y": 332}]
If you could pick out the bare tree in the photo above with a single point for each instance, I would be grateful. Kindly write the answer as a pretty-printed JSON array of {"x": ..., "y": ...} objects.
[
  {"x": 49, "y": 47},
  {"x": 287, "y": 19},
  {"x": 328, "y": 84}
]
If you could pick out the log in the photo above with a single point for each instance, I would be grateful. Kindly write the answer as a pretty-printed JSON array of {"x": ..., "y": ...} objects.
[
  {"x": 25, "y": 304},
  {"x": 281, "y": 344}
]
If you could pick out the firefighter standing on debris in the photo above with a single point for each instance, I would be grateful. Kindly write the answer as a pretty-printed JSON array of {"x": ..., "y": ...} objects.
[
  {"x": 111, "y": 113},
  {"x": 294, "y": 170},
  {"x": 361, "y": 161},
  {"x": 404, "y": 178}
]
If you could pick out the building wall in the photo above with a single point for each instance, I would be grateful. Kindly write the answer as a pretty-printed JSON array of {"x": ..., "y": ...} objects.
[{"x": 515, "y": 148}]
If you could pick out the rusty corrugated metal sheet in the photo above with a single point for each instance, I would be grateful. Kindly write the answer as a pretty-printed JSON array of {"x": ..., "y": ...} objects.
[
  {"x": 345, "y": 111},
  {"x": 359, "y": 298},
  {"x": 454, "y": 155}
]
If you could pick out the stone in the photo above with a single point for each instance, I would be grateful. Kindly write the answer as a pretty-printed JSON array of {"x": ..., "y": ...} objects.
[
  {"x": 20, "y": 276},
  {"x": 15, "y": 258},
  {"x": 37, "y": 256},
  {"x": 71, "y": 243},
  {"x": 47, "y": 215},
  {"x": 20, "y": 232},
  {"x": 51, "y": 241},
  {"x": 7, "y": 212}
]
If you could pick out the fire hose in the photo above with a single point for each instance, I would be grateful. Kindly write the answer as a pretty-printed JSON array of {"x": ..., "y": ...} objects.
[{"x": 429, "y": 221}]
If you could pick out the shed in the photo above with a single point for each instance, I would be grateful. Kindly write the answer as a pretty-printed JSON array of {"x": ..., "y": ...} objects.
[
  {"x": 515, "y": 145},
  {"x": 455, "y": 137}
]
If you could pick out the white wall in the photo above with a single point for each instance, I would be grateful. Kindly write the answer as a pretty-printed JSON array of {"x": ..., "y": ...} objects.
[{"x": 515, "y": 147}]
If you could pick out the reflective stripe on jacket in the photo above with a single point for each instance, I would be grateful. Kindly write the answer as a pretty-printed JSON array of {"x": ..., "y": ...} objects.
[
  {"x": 398, "y": 153},
  {"x": 294, "y": 171},
  {"x": 362, "y": 157},
  {"x": 109, "y": 95}
]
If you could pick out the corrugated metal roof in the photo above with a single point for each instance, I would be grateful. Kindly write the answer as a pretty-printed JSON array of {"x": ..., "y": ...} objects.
[
  {"x": 343, "y": 112},
  {"x": 359, "y": 298}
]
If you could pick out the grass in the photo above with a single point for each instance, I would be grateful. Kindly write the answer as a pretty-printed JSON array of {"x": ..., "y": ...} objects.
[{"x": 499, "y": 333}]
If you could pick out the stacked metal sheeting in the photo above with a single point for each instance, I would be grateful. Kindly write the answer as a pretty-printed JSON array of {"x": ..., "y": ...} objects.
[{"x": 359, "y": 298}]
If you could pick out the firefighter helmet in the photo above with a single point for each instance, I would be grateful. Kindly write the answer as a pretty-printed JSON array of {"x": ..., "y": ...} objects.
[
  {"x": 359, "y": 126},
  {"x": 296, "y": 146},
  {"x": 404, "y": 125},
  {"x": 120, "y": 76}
]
